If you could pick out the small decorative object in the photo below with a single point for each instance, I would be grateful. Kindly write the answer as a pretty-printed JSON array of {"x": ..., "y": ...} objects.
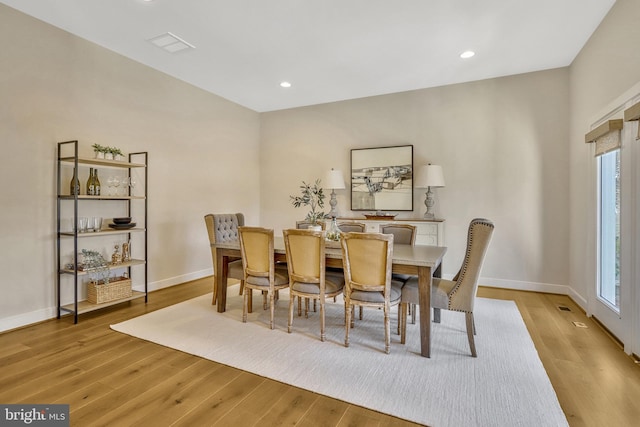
[
  {"x": 312, "y": 196},
  {"x": 333, "y": 233},
  {"x": 126, "y": 252},
  {"x": 95, "y": 266},
  {"x": 335, "y": 181},
  {"x": 380, "y": 215},
  {"x": 118, "y": 288},
  {"x": 116, "y": 258},
  {"x": 430, "y": 176},
  {"x": 99, "y": 151}
]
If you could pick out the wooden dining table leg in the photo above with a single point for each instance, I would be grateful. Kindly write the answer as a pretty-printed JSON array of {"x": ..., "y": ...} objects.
[
  {"x": 424, "y": 291},
  {"x": 222, "y": 271}
]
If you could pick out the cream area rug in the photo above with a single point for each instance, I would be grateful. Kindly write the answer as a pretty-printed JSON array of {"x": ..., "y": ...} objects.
[{"x": 505, "y": 386}]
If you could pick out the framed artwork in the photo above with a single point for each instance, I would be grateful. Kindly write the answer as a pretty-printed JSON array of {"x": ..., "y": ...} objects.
[{"x": 382, "y": 178}]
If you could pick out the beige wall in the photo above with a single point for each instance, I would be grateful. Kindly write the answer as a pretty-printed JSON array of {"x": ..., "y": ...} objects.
[
  {"x": 203, "y": 155},
  {"x": 502, "y": 144},
  {"x": 607, "y": 66},
  {"x": 506, "y": 146}
]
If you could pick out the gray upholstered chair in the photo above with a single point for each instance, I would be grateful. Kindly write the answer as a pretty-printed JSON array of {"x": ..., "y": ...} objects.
[
  {"x": 256, "y": 247},
  {"x": 347, "y": 227},
  {"x": 367, "y": 259},
  {"x": 307, "y": 275},
  {"x": 303, "y": 225},
  {"x": 223, "y": 228},
  {"x": 458, "y": 294},
  {"x": 403, "y": 234}
]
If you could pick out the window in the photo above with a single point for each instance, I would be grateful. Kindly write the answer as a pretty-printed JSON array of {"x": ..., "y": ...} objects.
[{"x": 609, "y": 238}]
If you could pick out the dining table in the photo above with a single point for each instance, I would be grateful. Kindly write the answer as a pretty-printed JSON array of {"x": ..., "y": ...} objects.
[{"x": 423, "y": 261}]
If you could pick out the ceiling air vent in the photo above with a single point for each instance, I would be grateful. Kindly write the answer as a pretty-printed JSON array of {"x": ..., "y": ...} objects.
[{"x": 171, "y": 43}]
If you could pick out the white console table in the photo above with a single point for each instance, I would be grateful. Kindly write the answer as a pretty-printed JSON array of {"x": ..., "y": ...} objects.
[{"x": 430, "y": 232}]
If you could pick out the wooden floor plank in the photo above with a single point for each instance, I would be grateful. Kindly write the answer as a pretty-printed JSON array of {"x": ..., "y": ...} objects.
[{"x": 110, "y": 378}]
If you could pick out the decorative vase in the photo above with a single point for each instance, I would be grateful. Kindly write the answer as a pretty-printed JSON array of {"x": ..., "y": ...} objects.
[
  {"x": 99, "y": 154},
  {"x": 108, "y": 156}
]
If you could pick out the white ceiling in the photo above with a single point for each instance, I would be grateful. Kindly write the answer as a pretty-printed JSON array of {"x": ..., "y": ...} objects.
[{"x": 331, "y": 50}]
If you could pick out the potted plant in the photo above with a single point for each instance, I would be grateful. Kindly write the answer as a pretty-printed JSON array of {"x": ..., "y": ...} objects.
[
  {"x": 117, "y": 153},
  {"x": 99, "y": 151},
  {"x": 312, "y": 196}
]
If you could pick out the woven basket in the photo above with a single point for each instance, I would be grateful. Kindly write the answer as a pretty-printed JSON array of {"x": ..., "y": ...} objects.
[{"x": 97, "y": 294}]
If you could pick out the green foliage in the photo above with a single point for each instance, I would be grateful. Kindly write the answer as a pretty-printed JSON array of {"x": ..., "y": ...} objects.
[{"x": 312, "y": 196}]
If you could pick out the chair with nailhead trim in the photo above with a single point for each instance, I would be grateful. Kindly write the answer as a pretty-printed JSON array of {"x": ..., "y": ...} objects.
[{"x": 458, "y": 294}]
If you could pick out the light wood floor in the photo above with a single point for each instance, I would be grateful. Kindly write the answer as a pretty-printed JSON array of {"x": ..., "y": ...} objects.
[{"x": 112, "y": 379}]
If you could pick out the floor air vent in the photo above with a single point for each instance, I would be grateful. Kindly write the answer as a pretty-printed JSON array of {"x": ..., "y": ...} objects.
[{"x": 563, "y": 308}]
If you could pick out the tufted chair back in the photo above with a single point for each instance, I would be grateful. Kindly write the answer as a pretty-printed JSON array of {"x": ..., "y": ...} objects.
[{"x": 223, "y": 228}]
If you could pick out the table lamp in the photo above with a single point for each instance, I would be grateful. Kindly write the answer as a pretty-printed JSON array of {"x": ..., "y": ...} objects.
[
  {"x": 335, "y": 181},
  {"x": 429, "y": 176}
]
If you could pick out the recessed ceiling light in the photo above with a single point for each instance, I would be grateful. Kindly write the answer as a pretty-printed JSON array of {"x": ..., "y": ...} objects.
[
  {"x": 285, "y": 84},
  {"x": 467, "y": 54}
]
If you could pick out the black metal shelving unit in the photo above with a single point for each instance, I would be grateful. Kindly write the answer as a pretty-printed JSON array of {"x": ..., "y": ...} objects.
[{"x": 68, "y": 157}]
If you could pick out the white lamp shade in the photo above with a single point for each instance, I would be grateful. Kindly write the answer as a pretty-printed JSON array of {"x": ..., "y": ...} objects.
[
  {"x": 334, "y": 180},
  {"x": 430, "y": 176}
]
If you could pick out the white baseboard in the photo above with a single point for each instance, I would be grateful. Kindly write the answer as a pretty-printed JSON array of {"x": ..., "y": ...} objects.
[
  {"x": 24, "y": 319},
  {"x": 525, "y": 286}
]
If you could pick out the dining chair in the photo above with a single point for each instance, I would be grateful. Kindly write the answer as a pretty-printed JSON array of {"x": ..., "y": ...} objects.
[
  {"x": 458, "y": 294},
  {"x": 223, "y": 228},
  {"x": 305, "y": 251},
  {"x": 347, "y": 227},
  {"x": 303, "y": 225},
  {"x": 367, "y": 259},
  {"x": 403, "y": 234},
  {"x": 256, "y": 248}
]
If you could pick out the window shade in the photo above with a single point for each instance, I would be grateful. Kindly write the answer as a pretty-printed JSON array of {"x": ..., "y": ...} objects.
[
  {"x": 633, "y": 114},
  {"x": 606, "y": 136}
]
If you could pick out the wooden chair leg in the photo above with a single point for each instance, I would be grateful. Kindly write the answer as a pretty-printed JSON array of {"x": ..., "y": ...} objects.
[
  {"x": 272, "y": 307},
  {"x": 387, "y": 330},
  {"x": 322, "y": 333},
  {"x": 245, "y": 303},
  {"x": 412, "y": 307},
  {"x": 299, "y": 306},
  {"x": 347, "y": 323},
  {"x": 290, "y": 323},
  {"x": 250, "y": 292},
  {"x": 403, "y": 323},
  {"x": 215, "y": 293},
  {"x": 306, "y": 307},
  {"x": 241, "y": 287},
  {"x": 264, "y": 300},
  {"x": 470, "y": 327}
]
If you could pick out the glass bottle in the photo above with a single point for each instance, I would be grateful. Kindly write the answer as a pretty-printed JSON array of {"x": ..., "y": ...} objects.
[
  {"x": 96, "y": 183},
  {"x": 334, "y": 232},
  {"x": 90, "y": 187},
  {"x": 74, "y": 185}
]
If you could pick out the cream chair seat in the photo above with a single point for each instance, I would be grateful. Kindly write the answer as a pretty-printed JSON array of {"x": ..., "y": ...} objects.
[
  {"x": 223, "y": 228},
  {"x": 458, "y": 294}
]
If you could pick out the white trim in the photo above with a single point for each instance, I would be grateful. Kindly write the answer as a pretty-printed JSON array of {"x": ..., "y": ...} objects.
[{"x": 26, "y": 319}]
